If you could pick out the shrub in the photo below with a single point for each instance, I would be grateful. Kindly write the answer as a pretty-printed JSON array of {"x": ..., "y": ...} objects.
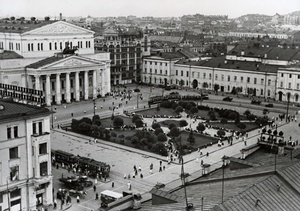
[
  {"x": 134, "y": 140},
  {"x": 171, "y": 126},
  {"x": 162, "y": 137},
  {"x": 118, "y": 122},
  {"x": 113, "y": 134},
  {"x": 155, "y": 125},
  {"x": 158, "y": 131},
  {"x": 139, "y": 123},
  {"x": 183, "y": 123},
  {"x": 122, "y": 141},
  {"x": 224, "y": 121},
  {"x": 200, "y": 127},
  {"x": 160, "y": 149},
  {"x": 179, "y": 109}
]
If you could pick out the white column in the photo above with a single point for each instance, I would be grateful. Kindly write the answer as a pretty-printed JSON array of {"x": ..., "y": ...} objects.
[
  {"x": 23, "y": 80},
  {"x": 37, "y": 82},
  {"x": 68, "y": 93},
  {"x": 48, "y": 91},
  {"x": 77, "y": 91},
  {"x": 95, "y": 84},
  {"x": 86, "y": 85},
  {"x": 58, "y": 93}
]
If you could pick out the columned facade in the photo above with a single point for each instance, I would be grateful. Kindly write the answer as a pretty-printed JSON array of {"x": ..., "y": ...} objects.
[{"x": 73, "y": 78}]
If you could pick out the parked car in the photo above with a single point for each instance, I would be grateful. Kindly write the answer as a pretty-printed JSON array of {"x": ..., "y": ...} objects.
[
  {"x": 229, "y": 99},
  {"x": 269, "y": 105},
  {"x": 257, "y": 102}
]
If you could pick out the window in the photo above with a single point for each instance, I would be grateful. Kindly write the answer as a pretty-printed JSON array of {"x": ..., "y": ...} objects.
[
  {"x": 1, "y": 198},
  {"x": 161, "y": 72},
  {"x": 55, "y": 46},
  {"x": 269, "y": 82},
  {"x": 28, "y": 46},
  {"x": 40, "y": 127},
  {"x": 298, "y": 76},
  {"x": 50, "y": 46},
  {"x": 160, "y": 63},
  {"x": 255, "y": 80},
  {"x": 32, "y": 46},
  {"x": 8, "y": 133},
  {"x": 248, "y": 79},
  {"x": 42, "y": 47},
  {"x": 145, "y": 62},
  {"x": 43, "y": 148},
  {"x": 216, "y": 77},
  {"x": 281, "y": 84},
  {"x": 15, "y": 193},
  {"x": 204, "y": 75},
  {"x": 71, "y": 83},
  {"x": 290, "y": 76},
  {"x": 181, "y": 72},
  {"x": 281, "y": 74},
  {"x": 166, "y": 64},
  {"x": 235, "y": 78},
  {"x": 16, "y": 131},
  {"x": 155, "y": 63},
  {"x": 222, "y": 78},
  {"x": 209, "y": 76},
  {"x": 298, "y": 86},
  {"x": 269, "y": 93},
  {"x": 176, "y": 72},
  {"x": 155, "y": 71},
  {"x": 262, "y": 81},
  {"x": 290, "y": 85},
  {"x": 187, "y": 73},
  {"x": 261, "y": 92},
  {"x": 150, "y": 63},
  {"x": 44, "y": 169},
  {"x": 14, "y": 173},
  {"x": 166, "y": 72},
  {"x": 228, "y": 78},
  {"x": 145, "y": 70},
  {"x": 13, "y": 153}
]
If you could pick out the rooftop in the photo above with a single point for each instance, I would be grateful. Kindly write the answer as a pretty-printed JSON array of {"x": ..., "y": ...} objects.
[
  {"x": 10, "y": 55},
  {"x": 14, "y": 110},
  {"x": 44, "y": 62},
  {"x": 221, "y": 62},
  {"x": 21, "y": 26}
]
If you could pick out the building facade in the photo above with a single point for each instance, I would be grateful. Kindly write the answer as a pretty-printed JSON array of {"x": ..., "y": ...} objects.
[
  {"x": 126, "y": 52},
  {"x": 25, "y": 157},
  {"x": 57, "y": 58}
]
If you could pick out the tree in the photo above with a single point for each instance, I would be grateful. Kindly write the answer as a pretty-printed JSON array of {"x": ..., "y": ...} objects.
[
  {"x": 32, "y": 19},
  {"x": 158, "y": 131},
  {"x": 47, "y": 18},
  {"x": 183, "y": 123},
  {"x": 139, "y": 123},
  {"x": 200, "y": 127},
  {"x": 179, "y": 109},
  {"x": 135, "y": 118},
  {"x": 194, "y": 110},
  {"x": 221, "y": 133},
  {"x": 155, "y": 125},
  {"x": 232, "y": 115},
  {"x": 162, "y": 137},
  {"x": 216, "y": 88},
  {"x": 12, "y": 18},
  {"x": 174, "y": 132},
  {"x": 247, "y": 113},
  {"x": 171, "y": 126},
  {"x": 22, "y": 18},
  {"x": 118, "y": 122},
  {"x": 205, "y": 85},
  {"x": 241, "y": 126},
  {"x": 160, "y": 148}
]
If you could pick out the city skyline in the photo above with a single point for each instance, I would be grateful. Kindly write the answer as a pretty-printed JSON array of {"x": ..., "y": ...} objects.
[{"x": 140, "y": 8}]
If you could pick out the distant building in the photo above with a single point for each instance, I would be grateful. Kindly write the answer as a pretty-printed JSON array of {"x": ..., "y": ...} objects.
[
  {"x": 25, "y": 157},
  {"x": 126, "y": 49}
]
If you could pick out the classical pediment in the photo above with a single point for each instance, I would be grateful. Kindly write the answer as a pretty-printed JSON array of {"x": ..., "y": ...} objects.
[
  {"x": 59, "y": 28},
  {"x": 73, "y": 61}
]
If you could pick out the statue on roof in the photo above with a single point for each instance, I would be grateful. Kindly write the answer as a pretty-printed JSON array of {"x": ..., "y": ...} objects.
[{"x": 69, "y": 50}]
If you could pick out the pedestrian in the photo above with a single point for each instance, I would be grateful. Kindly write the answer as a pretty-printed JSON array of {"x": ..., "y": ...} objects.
[
  {"x": 207, "y": 154},
  {"x": 62, "y": 203},
  {"x": 129, "y": 186},
  {"x": 124, "y": 176},
  {"x": 94, "y": 188},
  {"x": 150, "y": 171},
  {"x": 164, "y": 168},
  {"x": 55, "y": 204},
  {"x": 97, "y": 196},
  {"x": 72, "y": 114},
  {"x": 160, "y": 162},
  {"x": 160, "y": 169},
  {"x": 78, "y": 199},
  {"x": 112, "y": 184},
  {"x": 140, "y": 169},
  {"x": 201, "y": 152}
]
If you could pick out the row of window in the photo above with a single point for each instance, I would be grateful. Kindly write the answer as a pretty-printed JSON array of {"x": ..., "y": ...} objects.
[
  {"x": 290, "y": 85},
  {"x": 57, "y": 45},
  {"x": 290, "y": 75},
  {"x": 13, "y": 131},
  {"x": 11, "y": 46},
  {"x": 156, "y": 72},
  {"x": 160, "y": 63},
  {"x": 235, "y": 78}
]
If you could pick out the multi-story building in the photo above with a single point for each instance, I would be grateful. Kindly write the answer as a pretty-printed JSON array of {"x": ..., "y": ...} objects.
[
  {"x": 41, "y": 55},
  {"x": 267, "y": 72},
  {"x": 25, "y": 157},
  {"x": 126, "y": 50}
]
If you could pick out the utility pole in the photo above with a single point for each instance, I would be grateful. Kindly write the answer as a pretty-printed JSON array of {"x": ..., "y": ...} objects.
[
  {"x": 94, "y": 101},
  {"x": 287, "y": 107}
]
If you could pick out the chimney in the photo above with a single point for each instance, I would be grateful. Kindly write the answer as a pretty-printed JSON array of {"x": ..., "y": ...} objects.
[{"x": 60, "y": 16}]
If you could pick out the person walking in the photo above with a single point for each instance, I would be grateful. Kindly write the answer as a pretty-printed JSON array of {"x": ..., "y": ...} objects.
[
  {"x": 160, "y": 169},
  {"x": 78, "y": 199},
  {"x": 129, "y": 186},
  {"x": 94, "y": 187}
]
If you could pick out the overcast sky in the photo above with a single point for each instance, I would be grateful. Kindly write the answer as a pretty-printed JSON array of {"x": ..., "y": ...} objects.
[{"x": 156, "y": 8}]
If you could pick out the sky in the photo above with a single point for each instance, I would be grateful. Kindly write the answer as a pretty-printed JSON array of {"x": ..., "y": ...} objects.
[{"x": 140, "y": 8}]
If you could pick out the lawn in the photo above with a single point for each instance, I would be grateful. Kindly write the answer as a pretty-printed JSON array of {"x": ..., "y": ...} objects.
[
  {"x": 108, "y": 122},
  {"x": 162, "y": 111}
]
